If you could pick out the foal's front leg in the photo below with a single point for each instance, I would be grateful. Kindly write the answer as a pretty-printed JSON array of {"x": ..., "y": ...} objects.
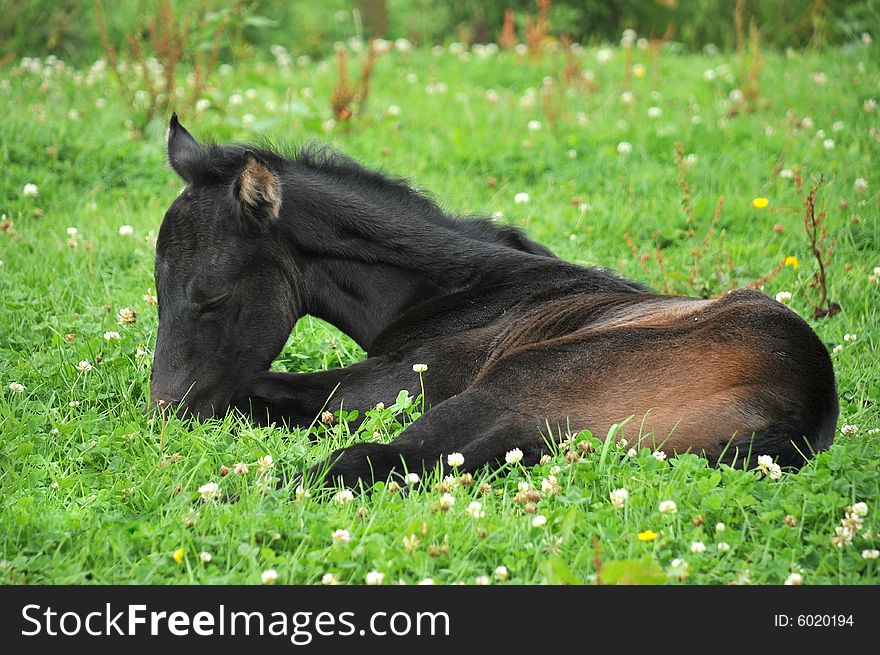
[
  {"x": 297, "y": 399},
  {"x": 474, "y": 423}
]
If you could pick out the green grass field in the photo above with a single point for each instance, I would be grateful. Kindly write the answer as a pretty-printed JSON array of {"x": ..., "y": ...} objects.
[{"x": 92, "y": 491}]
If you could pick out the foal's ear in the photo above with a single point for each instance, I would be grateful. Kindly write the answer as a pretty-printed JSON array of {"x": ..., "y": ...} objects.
[
  {"x": 258, "y": 190},
  {"x": 184, "y": 153}
]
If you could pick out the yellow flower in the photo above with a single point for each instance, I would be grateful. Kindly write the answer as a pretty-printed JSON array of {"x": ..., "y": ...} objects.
[
  {"x": 760, "y": 202},
  {"x": 792, "y": 261},
  {"x": 178, "y": 555},
  {"x": 647, "y": 535},
  {"x": 639, "y": 70}
]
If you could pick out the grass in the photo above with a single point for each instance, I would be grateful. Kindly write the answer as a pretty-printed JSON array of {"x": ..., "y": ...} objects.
[{"x": 92, "y": 491}]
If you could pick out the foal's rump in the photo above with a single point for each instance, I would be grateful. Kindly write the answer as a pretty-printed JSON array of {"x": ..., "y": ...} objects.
[{"x": 731, "y": 378}]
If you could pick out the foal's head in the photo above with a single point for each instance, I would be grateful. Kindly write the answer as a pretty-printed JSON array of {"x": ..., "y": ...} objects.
[{"x": 227, "y": 299}]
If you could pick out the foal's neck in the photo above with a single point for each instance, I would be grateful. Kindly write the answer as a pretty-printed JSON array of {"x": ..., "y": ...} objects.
[{"x": 362, "y": 298}]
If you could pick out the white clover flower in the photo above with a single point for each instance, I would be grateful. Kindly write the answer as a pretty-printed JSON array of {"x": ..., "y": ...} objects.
[
  {"x": 126, "y": 230},
  {"x": 501, "y": 573},
  {"x": 16, "y": 387},
  {"x": 534, "y": 126},
  {"x": 860, "y": 509},
  {"x": 843, "y": 536},
  {"x": 668, "y": 507},
  {"x": 269, "y": 576},
  {"x": 412, "y": 478},
  {"x": 659, "y": 455},
  {"x": 849, "y": 429},
  {"x": 426, "y": 582},
  {"x": 523, "y": 487},
  {"x": 828, "y": 144},
  {"x": 783, "y": 296},
  {"x": 654, "y": 112},
  {"x": 209, "y": 490},
  {"x": 736, "y": 96},
  {"x": 72, "y": 232},
  {"x": 550, "y": 485},
  {"x": 344, "y": 497},
  {"x": 604, "y": 55},
  {"x": 513, "y": 456},
  {"x": 482, "y": 580},
  {"x": 632, "y": 452},
  {"x": 341, "y": 536},
  {"x": 455, "y": 460},
  {"x": 627, "y": 97},
  {"x": 30, "y": 190},
  {"x": 861, "y": 185},
  {"x": 447, "y": 500},
  {"x": 807, "y": 123},
  {"x": 241, "y": 468},
  {"x": 126, "y": 316},
  {"x": 539, "y": 521},
  {"x": 265, "y": 463},
  {"x": 329, "y": 579},
  {"x": 205, "y": 556},
  {"x": 410, "y": 543},
  {"x": 112, "y": 336},
  {"x": 475, "y": 509},
  {"x": 871, "y": 553},
  {"x": 679, "y": 567},
  {"x": 723, "y": 547},
  {"x": 698, "y": 547},
  {"x": 870, "y": 106},
  {"x": 852, "y": 522},
  {"x": 624, "y": 148},
  {"x": 794, "y": 579},
  {"x": 874, "y": 431},
  {"x": 709, "y": 74},
  {"x": 786, "y": 173},
  {"x": 720, "y": 527},
  {"x": 375, "y": 578},
  {"x": 838, "y": 348},
  {"x": 521, "y": 198},
  {"x": 84, "y": 366},
  {"x": 850, "y": 337},
  {"x": 618, "y": 497}
]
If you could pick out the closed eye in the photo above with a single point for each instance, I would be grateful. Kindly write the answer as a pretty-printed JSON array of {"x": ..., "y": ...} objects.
[{"x": 210, "y": 304}]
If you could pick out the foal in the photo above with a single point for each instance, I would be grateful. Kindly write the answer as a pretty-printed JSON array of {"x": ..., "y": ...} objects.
[{"x": 515, "y": 340}]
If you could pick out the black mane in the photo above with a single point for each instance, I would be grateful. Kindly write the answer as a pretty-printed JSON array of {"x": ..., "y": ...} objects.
[{"x": 222, "y": 162}]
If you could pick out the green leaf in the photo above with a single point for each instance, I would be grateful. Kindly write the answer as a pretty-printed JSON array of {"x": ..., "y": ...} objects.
[
  {"x": 632, "y": 572},
  {"x": 558, "y": 572}
]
